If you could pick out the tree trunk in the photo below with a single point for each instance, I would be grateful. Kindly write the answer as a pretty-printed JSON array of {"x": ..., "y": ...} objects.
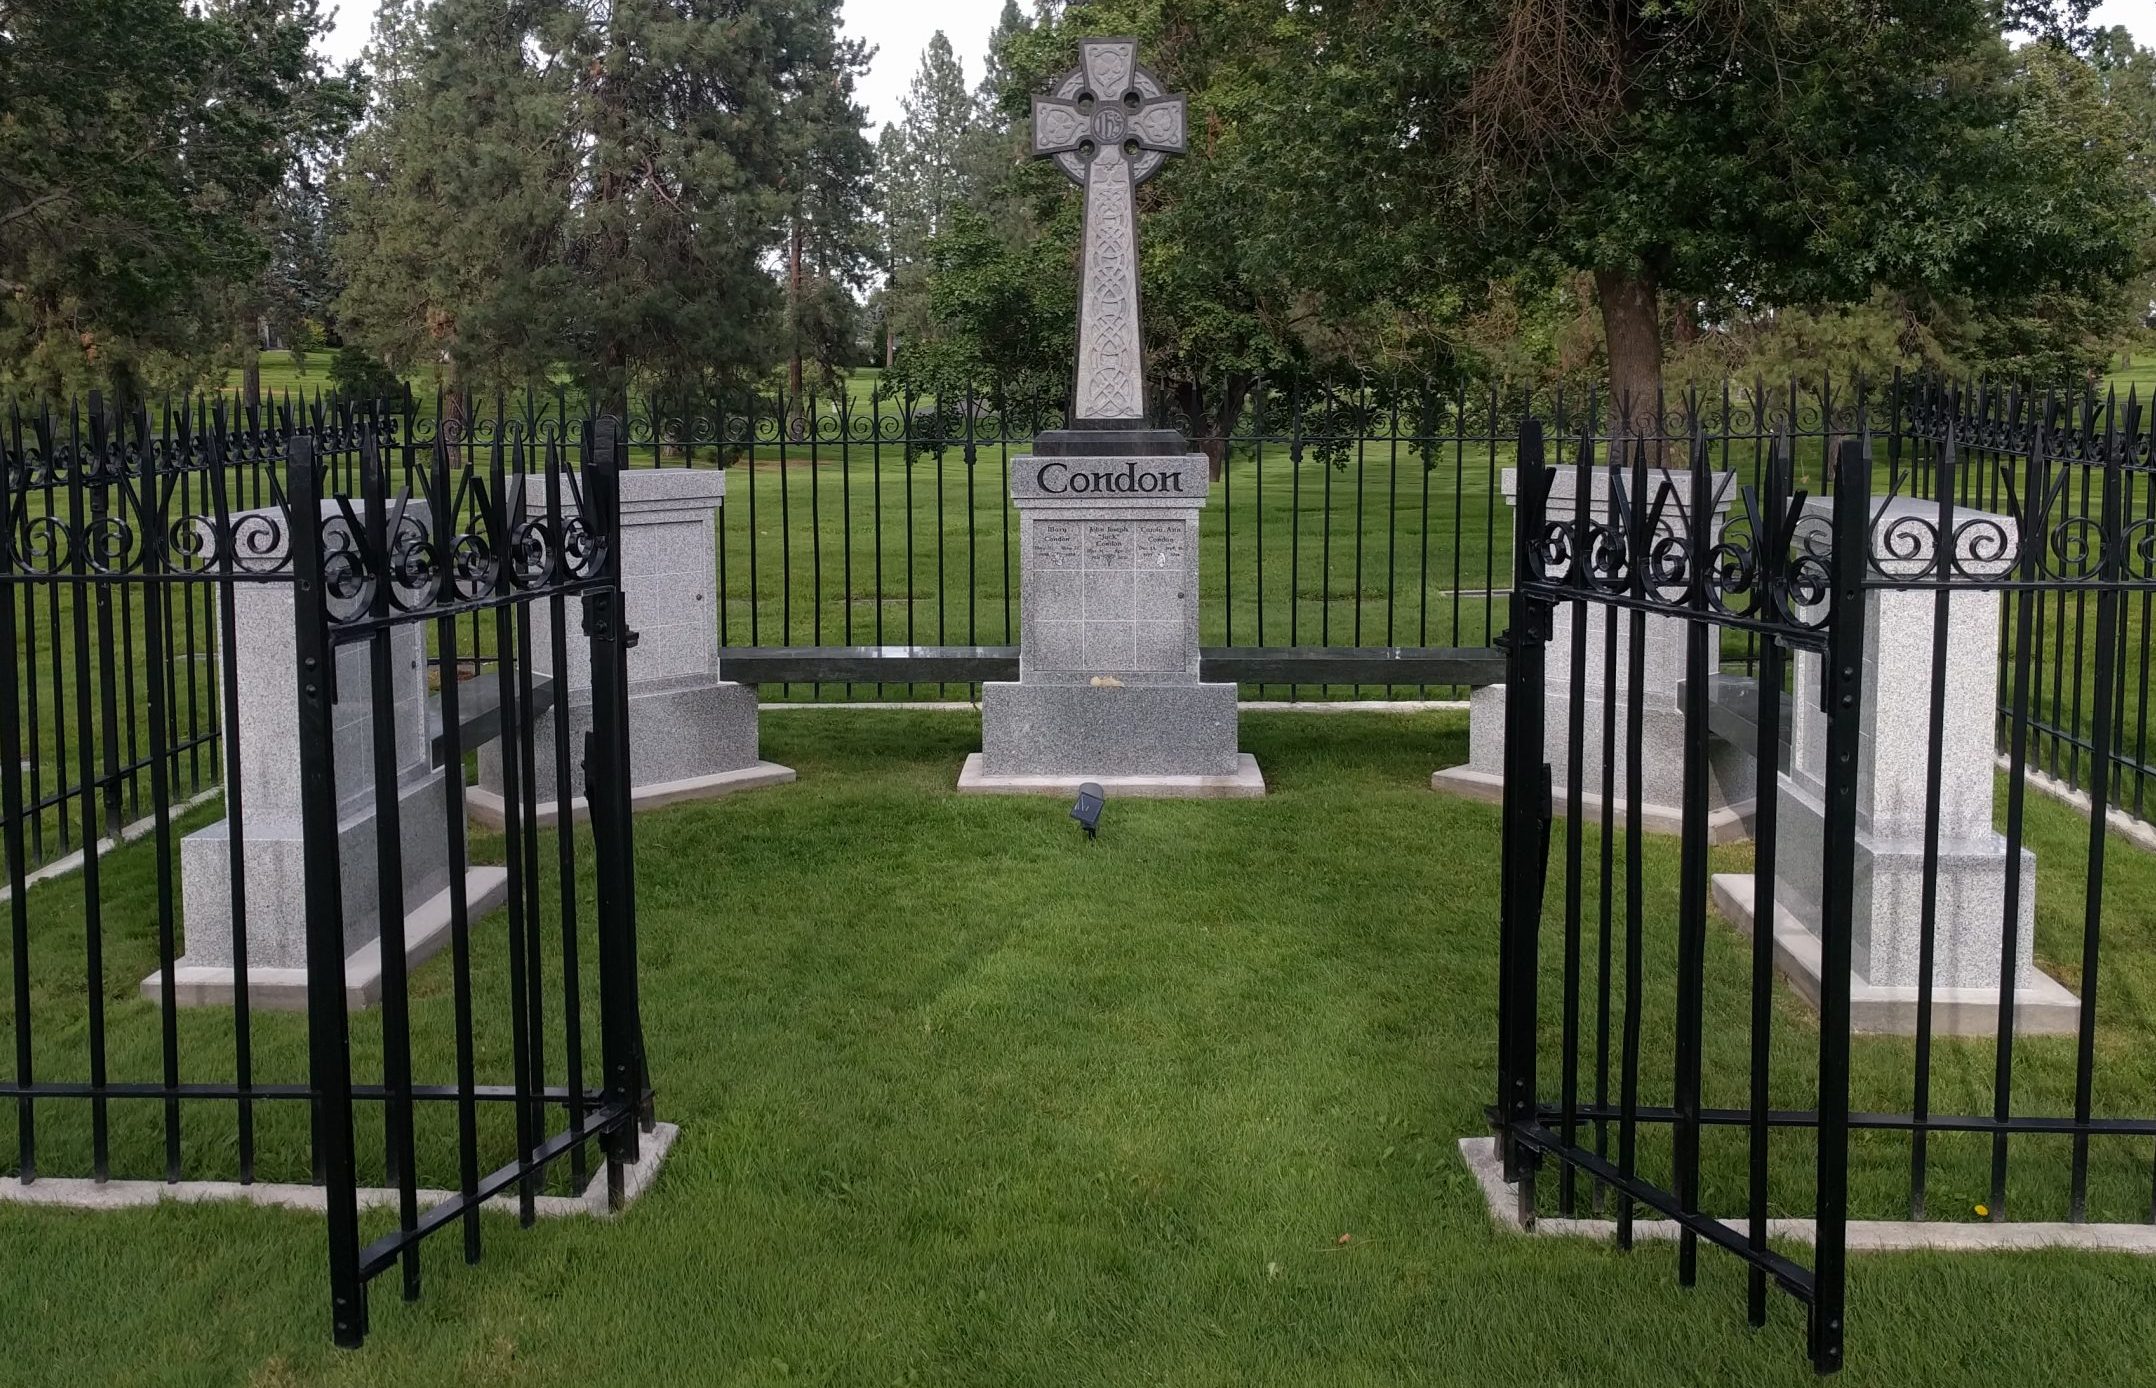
[
  {"x": 1213, "y": 428},
  {"x": 1632, "y": 329},
  {"x": 251, "y": 380},
  {"x": 793, "y": 304}
]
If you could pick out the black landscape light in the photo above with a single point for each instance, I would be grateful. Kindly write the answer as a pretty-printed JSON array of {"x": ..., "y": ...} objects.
[{"x": 1087, "y": 811}]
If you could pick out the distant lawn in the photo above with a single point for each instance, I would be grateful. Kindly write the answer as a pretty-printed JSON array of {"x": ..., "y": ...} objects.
[
  {"x": 967, "y": 1101},
  {"x": 305, "y": 373}
]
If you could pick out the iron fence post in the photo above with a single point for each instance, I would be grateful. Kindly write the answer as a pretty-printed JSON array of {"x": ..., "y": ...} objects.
[
  {"x": 1843, "y": 700},
  {"x": 1526, "y": 816},
  {"x": 606, "y": 791},
  {"x": 328, "y": 1032}
]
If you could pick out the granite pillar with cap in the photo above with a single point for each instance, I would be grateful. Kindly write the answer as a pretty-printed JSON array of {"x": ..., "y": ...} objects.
[
  {"x": 272, "y": 854},
  {"x": 693, "y": 734},
  {"x": 1894, "y": 796},
  {"x": 1604, "y": 688},
  {"x": 1108, "y": 686}
]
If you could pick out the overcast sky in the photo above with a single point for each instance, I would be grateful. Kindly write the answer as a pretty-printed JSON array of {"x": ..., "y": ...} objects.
[{"x": 900, "y": 29}]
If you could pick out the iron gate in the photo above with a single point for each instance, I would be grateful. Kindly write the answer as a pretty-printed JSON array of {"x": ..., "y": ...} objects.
[
  {"x": 130, "y": 557},
  {"x": 1886, "y": 886}
]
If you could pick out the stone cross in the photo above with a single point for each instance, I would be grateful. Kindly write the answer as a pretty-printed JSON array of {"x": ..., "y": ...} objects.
[{"x": 1111, "y": 125}]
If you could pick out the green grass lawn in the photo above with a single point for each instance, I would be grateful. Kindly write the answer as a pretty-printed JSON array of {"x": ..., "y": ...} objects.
[{"x": 967, "y": 1101}]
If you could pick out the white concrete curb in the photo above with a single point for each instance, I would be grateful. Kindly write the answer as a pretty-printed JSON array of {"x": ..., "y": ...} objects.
[
  {"x": 1865, "y": 1235},
  {"x": 79, "y": 1193}
]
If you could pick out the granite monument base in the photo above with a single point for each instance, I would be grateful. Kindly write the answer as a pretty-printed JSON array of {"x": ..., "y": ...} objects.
[
  {"x": 1887, "y": 907},
  {"x": 1152, "y": 740},
  {"x": 2042, "y": 1005},
  {"x": 273, "y": 859},
  {"x": 1732, "y": 774},
  {"x": 689, "y": 739}
]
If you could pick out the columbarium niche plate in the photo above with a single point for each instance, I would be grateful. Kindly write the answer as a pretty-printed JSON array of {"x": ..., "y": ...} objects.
[{"x": 1108, "y": 686}]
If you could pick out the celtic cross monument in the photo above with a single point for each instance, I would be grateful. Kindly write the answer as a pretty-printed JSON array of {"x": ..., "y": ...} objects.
[
  {"x": 1108, "y": 688},
  {"x": 1111, "y": 126}
]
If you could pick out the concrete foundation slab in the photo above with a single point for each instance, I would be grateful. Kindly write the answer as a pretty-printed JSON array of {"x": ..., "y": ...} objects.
[
  {"x": 1726, "y": 824},
  {"x": 1245, "y": 783},
  {"x": 485, "y": 806},
  {"x": 1865, "y": 1235},
  {"x": 77, "y": 1193}
]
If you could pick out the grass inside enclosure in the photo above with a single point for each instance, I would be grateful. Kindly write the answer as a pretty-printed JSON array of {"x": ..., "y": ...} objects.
[{"x": 967, "y": 1101}]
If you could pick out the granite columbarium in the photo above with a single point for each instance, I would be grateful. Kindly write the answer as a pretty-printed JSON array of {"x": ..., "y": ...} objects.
[
  {"x": 692, "y": 734},
  {"x": 1108, "y": 686},
  {"x": 1605, "y": 688},
  {"x": 272, "y": 850},
  {"x": 1893, "y": 796}
]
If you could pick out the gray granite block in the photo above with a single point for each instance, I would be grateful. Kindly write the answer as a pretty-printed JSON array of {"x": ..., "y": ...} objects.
[
  {"x": 1162, "y": 730},
  {"x": 677, "y": 732},
  {"x": 1887, "y": 904},
  {"x": 1732, "y": 774},
  {"x": 273, "y": 861}
]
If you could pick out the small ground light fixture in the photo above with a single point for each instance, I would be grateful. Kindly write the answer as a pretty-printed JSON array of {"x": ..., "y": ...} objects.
[{"x": 1087, "y": 811}]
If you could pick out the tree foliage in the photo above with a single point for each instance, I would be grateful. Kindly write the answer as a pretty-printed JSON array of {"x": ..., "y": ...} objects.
[
  {"x": 603, "y": 187},
  {"x": 143, "y": 146},
  {"x": 1727, "y": 154}
]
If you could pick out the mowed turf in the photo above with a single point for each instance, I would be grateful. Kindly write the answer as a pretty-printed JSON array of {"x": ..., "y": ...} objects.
[{"x": 966, "y": 1100}]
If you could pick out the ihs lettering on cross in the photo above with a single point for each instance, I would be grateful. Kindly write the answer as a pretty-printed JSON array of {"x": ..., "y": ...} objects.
[{"x": 1111, "y": 125}]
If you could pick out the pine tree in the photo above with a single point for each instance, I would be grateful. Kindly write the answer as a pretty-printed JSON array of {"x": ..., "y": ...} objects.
[
  {"x": 140, "y": 142},
  {"x": 832, "y": 239},
  {"x": 996, "y": 141},
  {"x": 924, "y": 181},
  {"x": 455, "y": 198},
  {"x": 623, "y": 176}
]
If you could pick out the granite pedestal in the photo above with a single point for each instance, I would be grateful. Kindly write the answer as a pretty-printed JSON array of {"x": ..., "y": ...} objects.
[
  {"x": 692, "y": 734},
  {"x": 1893, "y": 796},
  {"x": 1108, "y": 686},
  {"x": 1605, "y": 693},
  {"x": 272, "y": 851}
]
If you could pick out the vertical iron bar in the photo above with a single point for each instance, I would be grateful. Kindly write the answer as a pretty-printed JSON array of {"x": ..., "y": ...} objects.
[
  {"x": 93, "y": 923},
  {"x": 152, "y": 531},
  {"x": 329, "y": 1041},
  {"x": 2111, "y": 576},
  {"x": 1844, "y": 697},
  {"x": 1523, "y": 868},
  {"x": 1692, "y": 890},
  {"x": 446, "y": 516},
  {"x": 12, "y": 814}
]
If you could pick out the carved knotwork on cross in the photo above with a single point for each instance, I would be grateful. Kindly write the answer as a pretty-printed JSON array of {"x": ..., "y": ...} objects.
[{"x": 1110, "y": 124}]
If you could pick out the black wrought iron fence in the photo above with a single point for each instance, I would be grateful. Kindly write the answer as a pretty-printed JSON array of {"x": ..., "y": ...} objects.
[
  {"x": 1357, "y": 545},
  {"x": 1972, "y": 953},
  {"x": 253, "y": 643}
]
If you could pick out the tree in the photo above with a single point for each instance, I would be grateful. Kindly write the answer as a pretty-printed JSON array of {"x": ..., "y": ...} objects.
[
  {"x": 920, "y": 164},
  {"x": 141, "y": 141},
  {"x": 454, "y": 201},
  {"x": 998, "y": 136},
  {"x": 296, "y": 282},
  {"x": 623, "y": 177},
  {"x": 1723, "y": 154},
  {"x": 831, "y": 240}
]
